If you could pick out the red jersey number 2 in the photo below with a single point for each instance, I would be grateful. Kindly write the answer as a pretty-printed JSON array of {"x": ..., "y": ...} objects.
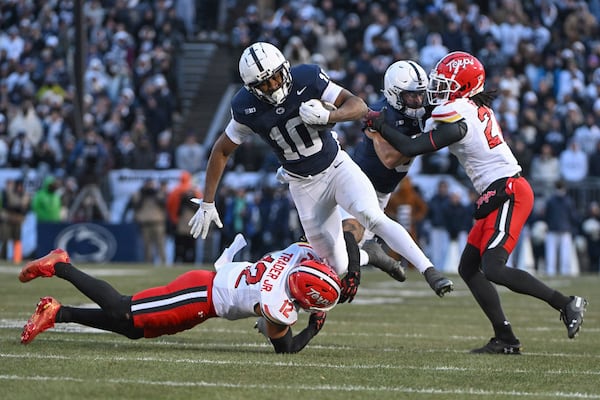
[
  {"x": 286, "y": 308},
  {"x": 493, "y": 136}
]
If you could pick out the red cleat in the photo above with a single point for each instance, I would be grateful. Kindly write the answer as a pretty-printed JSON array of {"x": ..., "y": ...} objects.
[
  {"x": 43, "y": 266},
  {"x": 41, "y": 320}
]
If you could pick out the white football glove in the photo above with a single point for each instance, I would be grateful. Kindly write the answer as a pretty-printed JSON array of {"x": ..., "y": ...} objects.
[
  {"x": 313, "y": 112},
  {"x": 200, "y": 222}
]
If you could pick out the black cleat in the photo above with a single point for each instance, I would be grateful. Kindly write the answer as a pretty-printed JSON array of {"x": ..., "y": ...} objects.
[
  {"x": 498, "y": 346},
  {"x": 380, "y": 259},
  {"x": 438, "y": 282},
  {"x": 572, "y": 315}
]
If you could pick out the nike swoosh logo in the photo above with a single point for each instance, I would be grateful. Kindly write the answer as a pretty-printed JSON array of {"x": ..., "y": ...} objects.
[
  {"x": 338, "y": 164},
  {"x": 299, "y": 92}
]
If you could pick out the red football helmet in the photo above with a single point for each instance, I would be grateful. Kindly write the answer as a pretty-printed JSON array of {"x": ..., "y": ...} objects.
[
  {"x": 314, "y": 286},
  {"x": 457, "y": 75}
]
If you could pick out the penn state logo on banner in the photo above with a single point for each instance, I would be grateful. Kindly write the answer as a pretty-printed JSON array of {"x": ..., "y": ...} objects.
[{"x": 87, "y": 242}]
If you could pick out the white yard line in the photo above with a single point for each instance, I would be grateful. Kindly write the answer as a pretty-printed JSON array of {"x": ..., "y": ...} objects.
[{"x": 319, "y": 388}]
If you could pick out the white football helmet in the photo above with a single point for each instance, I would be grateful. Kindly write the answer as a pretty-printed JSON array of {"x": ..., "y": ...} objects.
[
  {"x": 260, "y": 62},
  {"x": 402, "y": 77}
]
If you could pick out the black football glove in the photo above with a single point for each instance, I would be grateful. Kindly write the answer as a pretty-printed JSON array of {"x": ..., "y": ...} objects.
[
  {"x": 350, "y": 286},
  {"x": 375, "y": 119},
  {"x": 317, "y": 320}
]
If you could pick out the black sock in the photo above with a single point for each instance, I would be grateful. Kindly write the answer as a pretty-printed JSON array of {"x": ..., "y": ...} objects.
[
  {"x": 504, "y": 332},
  {"x": 97, "y": 290},
  {"x": 99, "y": 319}
]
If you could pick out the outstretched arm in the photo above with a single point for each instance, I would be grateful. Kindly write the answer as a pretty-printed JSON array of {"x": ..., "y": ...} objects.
[
  {"x": 207, "y": 213},
  {"x": 217, "y": 161},
  {"x": 422, "y": 142},
  {"x": 282, "y": 338}
]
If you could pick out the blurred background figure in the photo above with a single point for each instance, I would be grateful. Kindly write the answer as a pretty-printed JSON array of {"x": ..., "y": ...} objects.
[
  {"x": 180, "y": 209},
  {"x": 149, "y": 213},
  {"x": 46, "y": 203},
  {"x": 88, "y": 163},
  {"x": 16, "y": 203},
  {"x": 590, "y": 229},
  {"x": 563, "y": 221}
]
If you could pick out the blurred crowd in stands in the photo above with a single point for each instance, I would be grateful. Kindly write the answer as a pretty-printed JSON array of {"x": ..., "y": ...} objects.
[{"x": 542, "y": 57}]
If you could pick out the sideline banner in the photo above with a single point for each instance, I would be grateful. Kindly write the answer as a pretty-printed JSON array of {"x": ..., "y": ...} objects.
[{"x": 91, "y": 242}]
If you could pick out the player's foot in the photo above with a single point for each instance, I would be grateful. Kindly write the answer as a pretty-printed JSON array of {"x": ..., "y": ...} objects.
[
  {"x": 41, "y": 320},
  {"x": 438, "y": 282},
  {"x": 498, "y": 346},
  {"x": 572, "y": 315},
  {"x": 43, "y": 266},
  {"x": 380, "y": 259}
]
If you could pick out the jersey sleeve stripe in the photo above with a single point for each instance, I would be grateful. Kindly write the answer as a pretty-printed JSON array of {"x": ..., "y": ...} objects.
[{"x": 447, "y": 117}]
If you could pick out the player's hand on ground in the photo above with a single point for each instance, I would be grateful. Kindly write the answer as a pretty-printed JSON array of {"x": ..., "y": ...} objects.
[
  {"x": 313, "y": 112},
  {"x": 350, "y": 284},
  {"x": 375, "y": 119},
  {"x": 200, "y": 222}
]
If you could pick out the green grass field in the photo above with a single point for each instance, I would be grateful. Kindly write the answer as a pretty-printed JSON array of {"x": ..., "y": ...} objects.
[{"x": 395, "y": 341}]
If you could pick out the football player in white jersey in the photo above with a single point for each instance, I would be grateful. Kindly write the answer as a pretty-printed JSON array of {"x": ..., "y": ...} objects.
[
  {"x": 275, "y": 287},
  {"x": 464, "y": 121},
  {"x": 285, "y": 107}
]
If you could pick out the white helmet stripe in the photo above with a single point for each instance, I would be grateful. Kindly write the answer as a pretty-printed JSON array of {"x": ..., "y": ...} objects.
[{"x": 320, "y": 275}]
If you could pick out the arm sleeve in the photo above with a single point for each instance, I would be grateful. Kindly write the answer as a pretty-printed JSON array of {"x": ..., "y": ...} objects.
[
  {"x": 427, "y": 142},
  {"x": 353, "y": 252},
  {"x": 293, "y": 344}
]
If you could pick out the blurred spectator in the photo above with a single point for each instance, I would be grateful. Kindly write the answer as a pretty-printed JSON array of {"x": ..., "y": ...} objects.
[
  {"x": 594, "y": 162},
  {"x": 190, "y": 155},
  {"x": 87, "y": 163},
  {"x": 242, "y": 215},
  {"x": 17, "y": 203},
  {"x": 26, "y": 120},
  {"x": 143, "y": 155},
  {"x": 165, "y": 154},
  {"x": 545, "y": 169},
  {"x": 149, "y": 210},
  {"x": 296, "y": 52},
  {"x": 459, "y": 218},
  {"x": 380, "y": 30},
  {"x": 590, "y": 229},
  {"x": 331, "y": 41},
  {"x": 523, "y": 154},
  {"x": 587, "y": 135},
  {"x": 46, "y": 203},
  {"x": 407, "y": 206},
  {"x": 573, "y": 163},
  {"x": 433, "y": 51},
  {"x": 563, "y": 222},
  {"x": 4, "y": 152},
  {"x": 439, "y": 237},
  {"x": 21, "y": 151},
  {"x": 180, "y": 209}
]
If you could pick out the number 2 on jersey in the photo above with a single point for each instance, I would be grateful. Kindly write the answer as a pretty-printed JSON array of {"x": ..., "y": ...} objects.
[{"x": 493, "y": 136}]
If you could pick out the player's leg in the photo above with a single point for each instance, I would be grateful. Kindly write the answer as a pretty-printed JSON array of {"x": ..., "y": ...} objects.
[
  {"x": 371, "y": 252},
  {"x": 499, "y": 233},
  {"x": 181, "y": 304},
  {"x": 486, "y": 295},
  {"x": 356, "y": 194},
  {"x": 114, "y": 315},
  {"x": 321, "y": 220}
]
